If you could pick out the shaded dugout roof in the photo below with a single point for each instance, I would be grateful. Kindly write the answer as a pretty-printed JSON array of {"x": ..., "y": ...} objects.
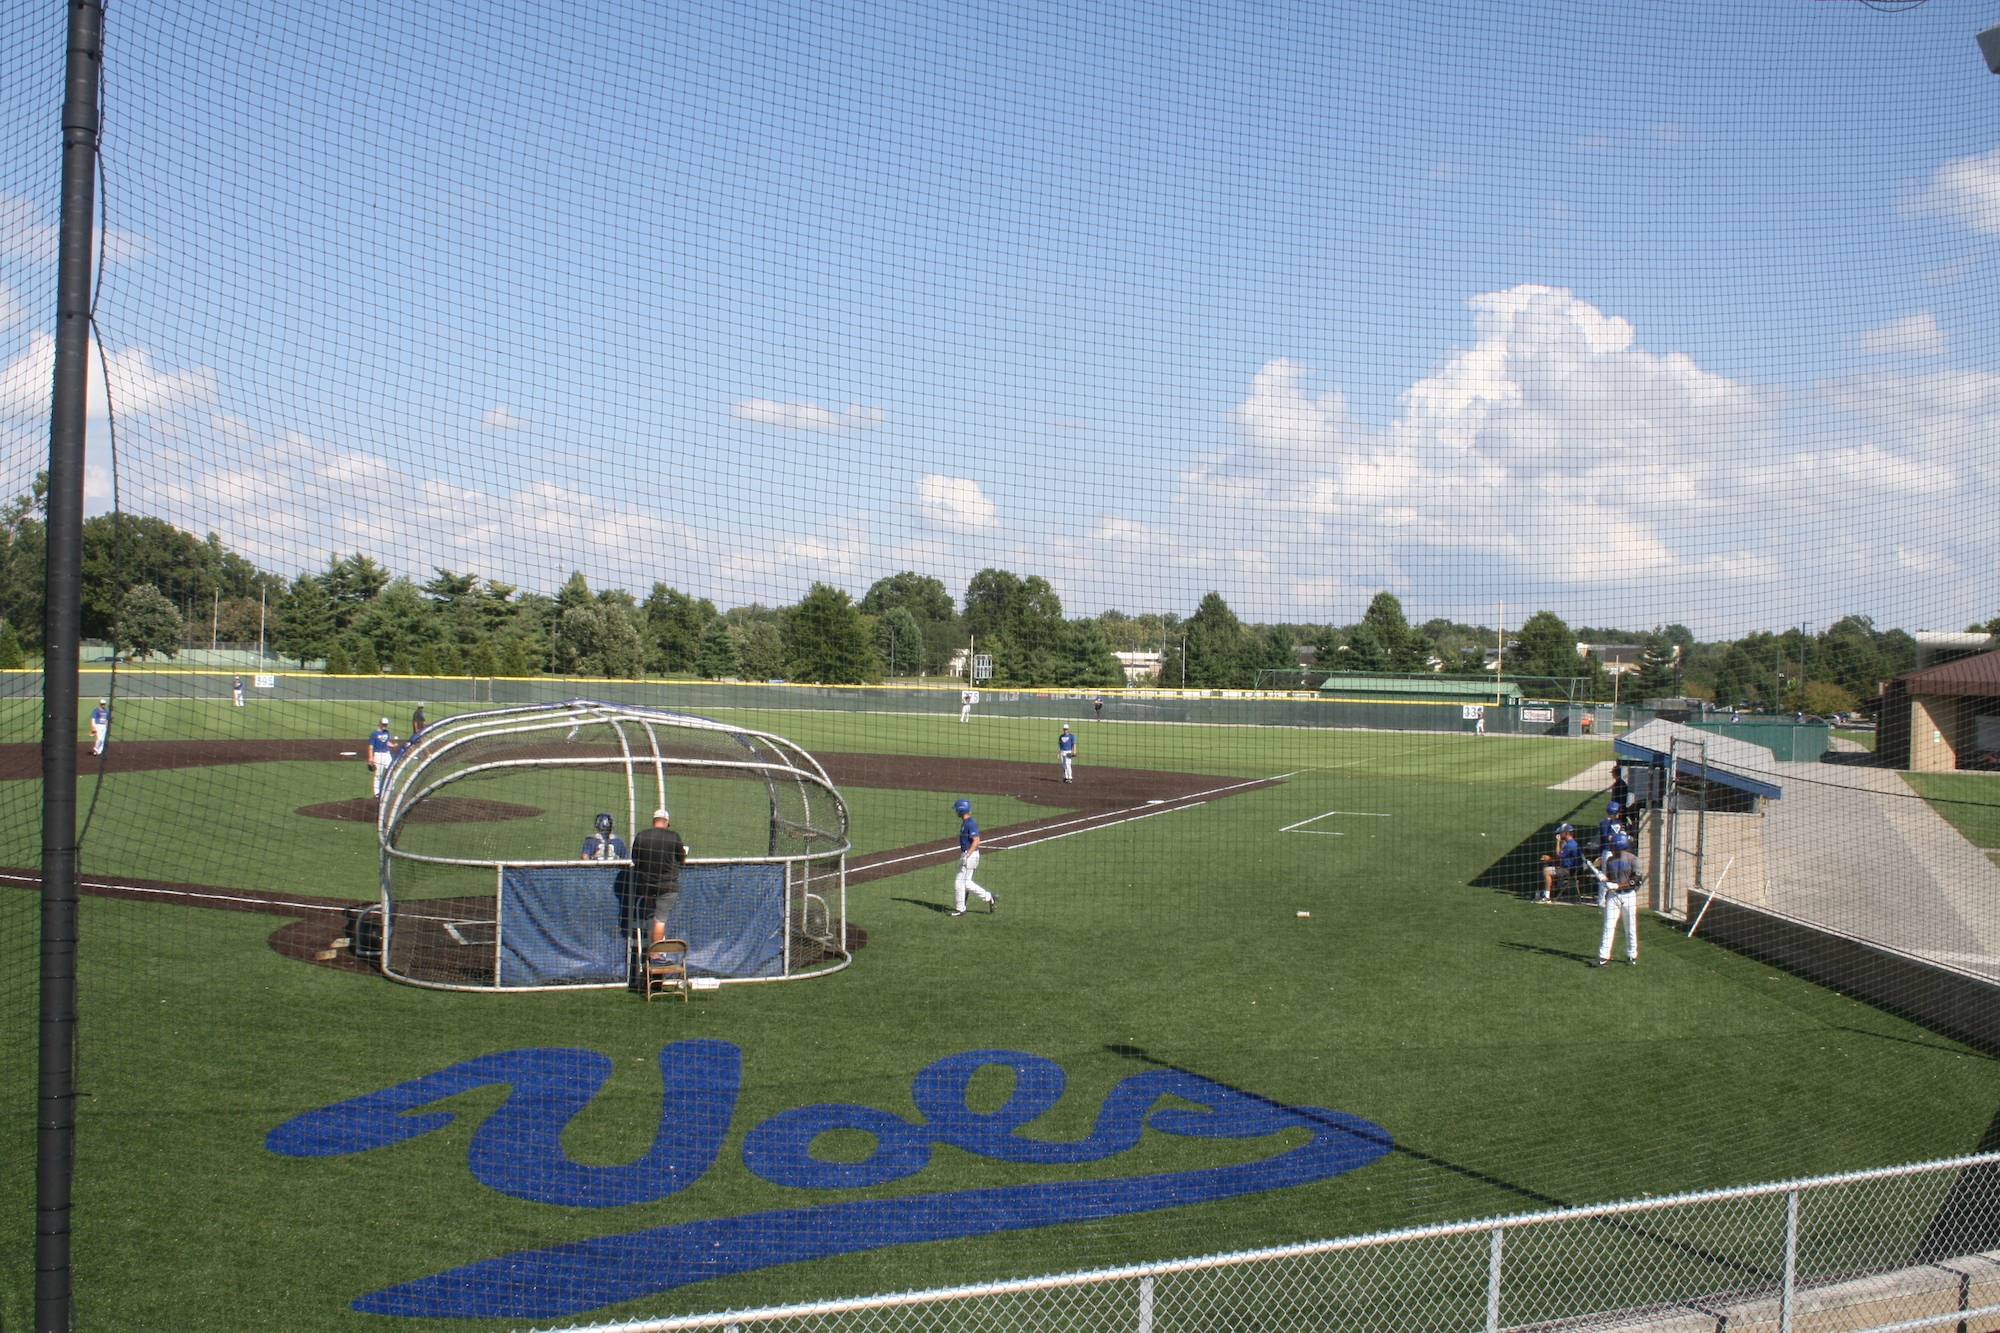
[
  {"x": 1960, "y": 677},
  {"x": 1728, "y": 763}
]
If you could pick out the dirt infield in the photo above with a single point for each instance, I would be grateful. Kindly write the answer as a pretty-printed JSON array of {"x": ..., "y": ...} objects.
[
  {"x": 1098, "y": 798},
  {"x": 436, "y": 810}
]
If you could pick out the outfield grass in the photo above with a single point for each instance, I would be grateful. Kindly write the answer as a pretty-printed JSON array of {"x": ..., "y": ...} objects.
[
  {"x": 1422, "y": 993},
  {"x": 1969, "y": 802}
]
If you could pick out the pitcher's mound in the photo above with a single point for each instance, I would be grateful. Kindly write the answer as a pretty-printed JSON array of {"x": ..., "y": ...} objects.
[{"x": 437, "y": 810}]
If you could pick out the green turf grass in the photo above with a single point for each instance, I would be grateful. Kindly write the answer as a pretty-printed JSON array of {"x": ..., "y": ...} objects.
[{"x": 1422, "y": 992}]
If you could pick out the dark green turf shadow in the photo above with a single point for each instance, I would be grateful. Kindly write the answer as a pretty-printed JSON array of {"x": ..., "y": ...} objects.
[
  {"x": 1679, "y": 1245},
  {"x": 925, "y": 903},
  {"x": 1968, "y": 1221},
  {"x": 1569, "y": 954},
  {"x": 1518, "y": 872}
]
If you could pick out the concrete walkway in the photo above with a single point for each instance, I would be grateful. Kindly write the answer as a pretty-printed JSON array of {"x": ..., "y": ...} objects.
[{"x": 1853, "y": 848}]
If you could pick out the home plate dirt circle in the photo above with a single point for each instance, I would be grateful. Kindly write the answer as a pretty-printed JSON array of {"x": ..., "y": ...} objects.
[{"x": 436, "y": 810}]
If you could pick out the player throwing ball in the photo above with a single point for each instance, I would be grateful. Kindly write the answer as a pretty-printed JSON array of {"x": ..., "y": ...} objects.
[
  {"x": 1066, "y": 747},
  {"x": 968, "y": 860}
]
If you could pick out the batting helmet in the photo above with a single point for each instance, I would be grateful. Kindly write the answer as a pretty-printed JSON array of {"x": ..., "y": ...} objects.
[
  {"x": 1620, "y": 843},
  {"x": 1613, "y": 808},
  {"x": 962, "y": 806},
  {"x": 1565, "y": 828},
  {"x": 604, "y": 823}
]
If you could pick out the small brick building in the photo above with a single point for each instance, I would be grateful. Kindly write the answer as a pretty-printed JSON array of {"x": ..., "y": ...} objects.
[{"x": 1944, "y": 717}]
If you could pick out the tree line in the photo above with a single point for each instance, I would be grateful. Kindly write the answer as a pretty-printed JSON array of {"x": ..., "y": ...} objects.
[{"x": 147, "y": 586}]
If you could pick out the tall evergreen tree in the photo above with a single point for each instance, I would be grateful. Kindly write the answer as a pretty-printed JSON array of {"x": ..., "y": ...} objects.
[
  {"x": 1216, "y": 647},
  {"x": 827, "y": 641},
  {"x": 303, "y": 627}
]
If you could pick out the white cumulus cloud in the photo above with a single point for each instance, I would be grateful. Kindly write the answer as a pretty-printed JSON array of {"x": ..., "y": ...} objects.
[
  {"x": 1913, "y": 335},
  {"x": 954, "y": 503},
  {"x": 806, "y": 416},
  {"x": 1966, "y": 190}
]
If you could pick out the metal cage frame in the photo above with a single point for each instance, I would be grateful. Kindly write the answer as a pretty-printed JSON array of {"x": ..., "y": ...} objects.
[{"x": 423, "y": 769}]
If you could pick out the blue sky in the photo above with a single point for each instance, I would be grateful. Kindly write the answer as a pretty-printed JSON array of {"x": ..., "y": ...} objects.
[{"x": 1639, "y": 313}]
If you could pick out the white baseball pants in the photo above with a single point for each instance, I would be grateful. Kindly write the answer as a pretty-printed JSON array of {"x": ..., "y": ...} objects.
[
  {"x": 1620, "y": 906},
  {"x": 963, "y": 884}
]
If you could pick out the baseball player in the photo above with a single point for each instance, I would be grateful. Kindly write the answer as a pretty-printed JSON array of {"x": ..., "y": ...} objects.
[
  {"x": 604, "y": 845},
  {"x": 968, "y": 860},
  {"x": 1066, "y": 747},
  {"x": 100, "y": 725},
  {"x": 1568, "y": 856},
  {"x": 1097, "y": 707},
  {"x": 1609, "y": 827},
  {"x": 380, "y": 752},
  {"x": 1621, "y": 901},
  {"x": 965, "y": 705},
  {"x": 236, "y": 691}
]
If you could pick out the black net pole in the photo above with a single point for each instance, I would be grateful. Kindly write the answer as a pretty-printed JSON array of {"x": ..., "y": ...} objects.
[{"x": 56, "y": 1096}]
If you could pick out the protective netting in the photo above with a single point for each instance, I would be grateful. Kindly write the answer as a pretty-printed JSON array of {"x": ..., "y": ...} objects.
[{"x": 1382, "y": 435}]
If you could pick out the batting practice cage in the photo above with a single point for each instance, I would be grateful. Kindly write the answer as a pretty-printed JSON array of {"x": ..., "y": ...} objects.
[
  {"x": 483, "y": 819},
  {"x": 1355, "y": 647}
]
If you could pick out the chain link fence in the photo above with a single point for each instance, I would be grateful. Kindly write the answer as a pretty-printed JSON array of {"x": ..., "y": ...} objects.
[{"x": 1910, "y": 1247}]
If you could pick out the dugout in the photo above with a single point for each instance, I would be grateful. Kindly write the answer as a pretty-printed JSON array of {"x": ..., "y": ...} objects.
[
  {"x": 484, "y": 886},
  {"x": 1704, "y": 799}
]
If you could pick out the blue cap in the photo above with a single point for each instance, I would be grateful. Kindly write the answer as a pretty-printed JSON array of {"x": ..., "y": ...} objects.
[
  {"x": 962, "y": 807},
  {"x": 1613, "y": 808},
  {"x": 1565, "y": 828}
]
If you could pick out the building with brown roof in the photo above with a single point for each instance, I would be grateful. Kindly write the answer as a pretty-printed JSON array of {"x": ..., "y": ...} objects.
[{"x": 1942, "y": 717}]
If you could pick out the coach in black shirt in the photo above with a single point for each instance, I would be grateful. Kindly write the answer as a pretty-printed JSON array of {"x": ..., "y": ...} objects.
[{"x": 657, "y": 856}]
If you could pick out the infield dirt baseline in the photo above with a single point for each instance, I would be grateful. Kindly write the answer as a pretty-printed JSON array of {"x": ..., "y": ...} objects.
[{"x": 1102, "y": 798}]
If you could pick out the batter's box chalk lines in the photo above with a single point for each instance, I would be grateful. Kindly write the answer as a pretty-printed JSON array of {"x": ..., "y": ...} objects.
[{"x": 1300, "y": 827}]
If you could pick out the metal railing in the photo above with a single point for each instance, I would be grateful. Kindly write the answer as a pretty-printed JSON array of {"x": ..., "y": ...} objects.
[{"x": 1906, "y": 1247}]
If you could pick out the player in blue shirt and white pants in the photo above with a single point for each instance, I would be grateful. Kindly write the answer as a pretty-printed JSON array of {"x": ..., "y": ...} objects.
[
  {"x": 381, "y": 750},
  {"x": 968, "y": 860},
  {"x": 1621, "y": 901},
  {"x": 1066, "y": 747},
  {"x": 100, "y": 725}
]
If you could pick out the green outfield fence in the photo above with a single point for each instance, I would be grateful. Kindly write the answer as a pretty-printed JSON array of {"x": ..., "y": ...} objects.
[{"x": 1201, "y": 707}]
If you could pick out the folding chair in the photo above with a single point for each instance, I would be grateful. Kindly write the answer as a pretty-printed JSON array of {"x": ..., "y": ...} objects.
[{"x": 663, "y": 965}]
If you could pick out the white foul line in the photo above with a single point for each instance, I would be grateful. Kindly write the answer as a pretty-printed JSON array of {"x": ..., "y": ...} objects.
[
  {"x": 1168, "y": 810},
  {"x": 322, "y": 906},
  {"x": 1100, "y": 820}
]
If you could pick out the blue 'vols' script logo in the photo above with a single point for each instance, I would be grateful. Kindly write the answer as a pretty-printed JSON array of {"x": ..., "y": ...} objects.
[{"x": 518, "y": 1151}]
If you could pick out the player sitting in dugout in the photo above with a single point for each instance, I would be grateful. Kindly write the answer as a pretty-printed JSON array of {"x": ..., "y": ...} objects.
[{"x": 1567, "y": 858}]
